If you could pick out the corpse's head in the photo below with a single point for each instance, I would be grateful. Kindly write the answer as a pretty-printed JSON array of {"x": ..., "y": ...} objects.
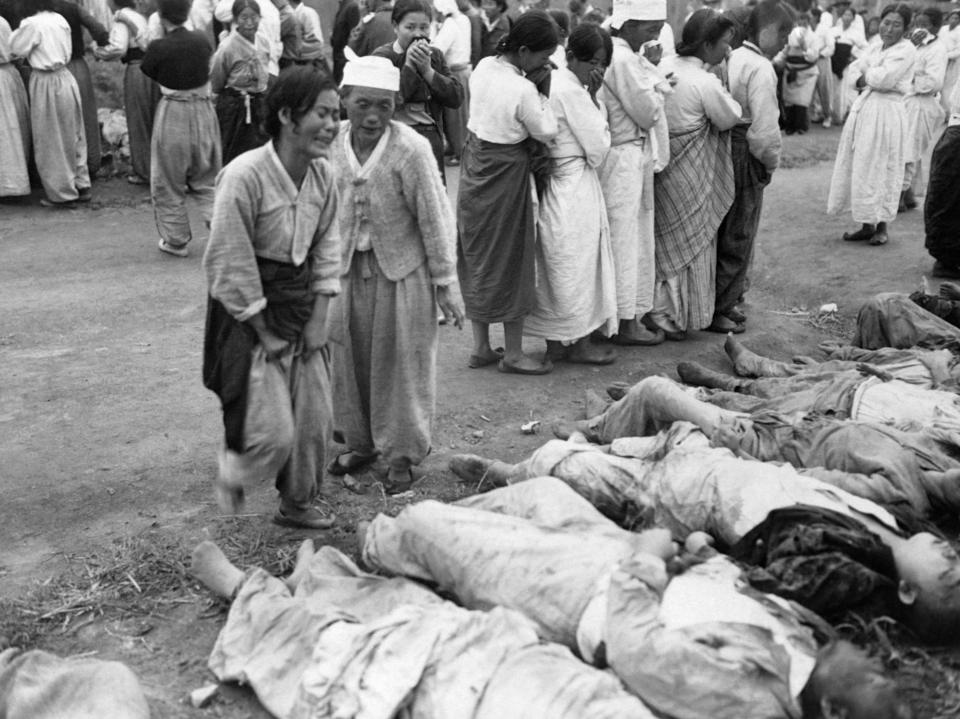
[
  {"x": 846, "y": 684},
  {"x": 929, "y": 587}
]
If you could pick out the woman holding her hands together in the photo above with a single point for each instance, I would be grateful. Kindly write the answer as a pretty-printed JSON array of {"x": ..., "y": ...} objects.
[
  {"x": 426, "y": 85},
  {"x": 510, "y": 115}
]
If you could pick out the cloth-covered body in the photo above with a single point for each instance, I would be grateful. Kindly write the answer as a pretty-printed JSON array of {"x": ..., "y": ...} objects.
[
  {"x": 14, "y": 123},
  {"x": 56, "y": 116},
  {"x": 633, "y": 106},
  {"x": 398, "y": 245},
  {"x": 341, "y": 640},
  {"x": 693, "y": 194},
  {"x": 272, "y": 249},
  {"x": 539, "y": 548},
  {"x": 496, "y": 203},
  {"x": 868, "y": 172},
  {"x": 576, "y": 292},
  {"x": 677, "y": 480},
  {"x": 890, "y": 319},
  {"x": 867, "y": 458},
  {"x": 40, "y": 685}
]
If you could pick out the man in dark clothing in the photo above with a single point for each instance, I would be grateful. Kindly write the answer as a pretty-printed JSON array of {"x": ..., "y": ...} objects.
[
  {"x": 346, "y": 19},
  {"x": 374, "y": 30}
]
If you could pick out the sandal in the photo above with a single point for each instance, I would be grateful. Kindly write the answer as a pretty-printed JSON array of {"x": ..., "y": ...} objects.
[
  {"x": 356, "y": 461},
  {"x": 309, "y": 518},
  {"x": 545, "y": 367},
  {"x": 478, "y": 361}
]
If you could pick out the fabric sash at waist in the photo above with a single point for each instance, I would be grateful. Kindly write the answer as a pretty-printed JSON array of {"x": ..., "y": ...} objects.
[
  {"x": 228, "y": 343},
  {"x": 196, "y": 94},
  {"x": 48, "y": 70}
]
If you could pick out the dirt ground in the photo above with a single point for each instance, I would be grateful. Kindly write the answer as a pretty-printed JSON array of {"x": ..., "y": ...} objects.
[{"x": 108, "y": 439}]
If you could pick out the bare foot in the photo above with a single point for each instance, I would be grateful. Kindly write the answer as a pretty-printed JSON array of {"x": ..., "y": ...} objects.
[
  {"x": 305, "y": 553},
  {"x": 700, "y": 376},
  {"x": 210, "y": 566},
  {"x": 740, "y": 356},
  {"x": 479, "y": 470}
]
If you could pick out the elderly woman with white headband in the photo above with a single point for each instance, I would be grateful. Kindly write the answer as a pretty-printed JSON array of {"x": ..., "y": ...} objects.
[{"x": 399, "y": 262}]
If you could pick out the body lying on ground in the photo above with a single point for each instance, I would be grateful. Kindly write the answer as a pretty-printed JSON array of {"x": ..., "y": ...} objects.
[
  {"x": 808, "y": 541},
  {"x": 334, "y": 641},
  {"x": 697, "y": 644},
  {"x": 915, "y": 469},
  {"x": 39, "y": 685}
]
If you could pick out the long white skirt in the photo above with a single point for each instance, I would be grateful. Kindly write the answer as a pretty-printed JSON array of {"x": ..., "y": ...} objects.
[
  {"x": 925, "y": 120},
  {"x": 626, "y": 178},
  {"x": 576, "y": 288},
  {"x": 868, "y": 173},
  {"x": 14, "y": 133}
]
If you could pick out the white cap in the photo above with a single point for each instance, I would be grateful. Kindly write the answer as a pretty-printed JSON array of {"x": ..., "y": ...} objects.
[
  {"x": 370, "y": 71},
  {"x": 624, "y": 10},
  {"x": 446, "y": 7}
]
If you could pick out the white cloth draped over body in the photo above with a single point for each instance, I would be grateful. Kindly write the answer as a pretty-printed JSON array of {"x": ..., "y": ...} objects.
[
  {"x": 700, "y": 174},
  {"x": 336, "y": 641},
  {"x": 14, "y": 123},
  {"x": 576, "y": 292},
  {"x": 634, "y": 108},
  {"x": 868, "y": 173},
  {"x": 925, "y": 114}
]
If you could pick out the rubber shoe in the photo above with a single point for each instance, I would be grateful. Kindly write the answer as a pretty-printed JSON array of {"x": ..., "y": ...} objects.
[{"x": 172, "y": 250}]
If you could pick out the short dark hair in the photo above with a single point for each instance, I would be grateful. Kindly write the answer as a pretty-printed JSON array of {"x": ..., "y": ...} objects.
[
  {"x": 125, "y": 3},
  {"x": 934, "y": 15},
  {"x": 402, "y": 8},
  {"x": 240, "y": 5},
  {"x": 705, "y": 27},
  {"x": 585, "y": 40},
  {"x": 296, "y": 89},
  {"x": 562, "y": 19},
  {"x": 174, "y": 11},
  {"x": 901, "y": 9},
  {"x": 534, "y": 30},
  {"x": 32, "y": 7}
]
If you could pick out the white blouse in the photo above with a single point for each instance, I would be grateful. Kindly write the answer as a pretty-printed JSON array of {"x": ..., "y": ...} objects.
[
  {"x": 698, "y": 95},
  {"x": 890, "y": 69},
  {"x": 453, "y": 39},
  {"x": 583, "y": 130},
  {"x": 43, "y": 40},
  {"x": 505, "y": 107}
]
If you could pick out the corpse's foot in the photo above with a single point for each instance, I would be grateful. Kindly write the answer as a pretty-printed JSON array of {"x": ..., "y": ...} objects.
[
  {"x": 305, "y": 553},
  {"x": 700, "y": 376},
  {"x": 210, "y": 566},
  {"x": 745, "y": 362},
  {"x": 564, "y": 429},
  {"x": 593, "y": 404},
  {"x": 477, "y": 470},
  {"x": 618, "y": 390}
]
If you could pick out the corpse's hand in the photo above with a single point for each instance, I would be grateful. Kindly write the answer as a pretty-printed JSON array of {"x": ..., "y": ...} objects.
[
  {"x": 657, "y": 542},
  {"x": 451, "y": 304},
  {"x": 540, "y": 77},
  {"x": 869, "y": 369}
]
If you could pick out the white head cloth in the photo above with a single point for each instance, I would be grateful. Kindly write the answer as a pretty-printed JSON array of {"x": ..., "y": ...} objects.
[
  {"x": 624, "y": 10},
  {"x": 370, "y": 71},
  {"x": 446, "y": 7}
]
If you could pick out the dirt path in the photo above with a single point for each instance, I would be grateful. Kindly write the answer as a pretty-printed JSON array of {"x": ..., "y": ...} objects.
[{"x": 109, "y": 438}]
